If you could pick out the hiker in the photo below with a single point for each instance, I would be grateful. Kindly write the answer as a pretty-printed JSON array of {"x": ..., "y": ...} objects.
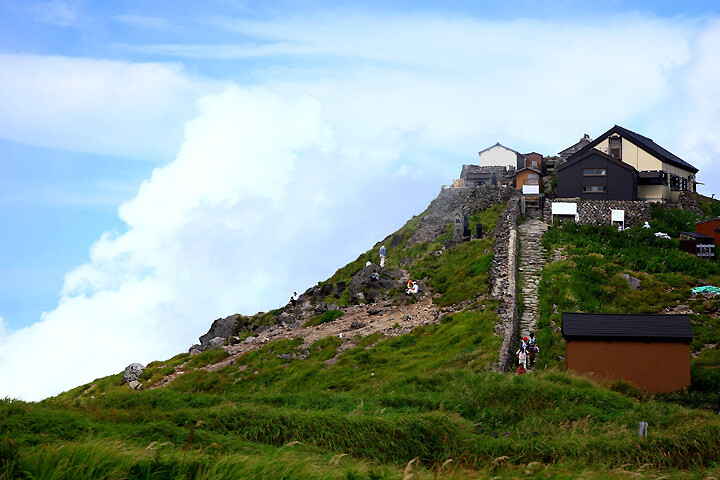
[
  {"x": 522, "y": 357},
  {"x": 383, "y": 253},
  {"x": 416, "y": 288},
  {"x": 294, "y": 299},
  {"x": 411, "y": 288},
  {"x": 368, "y": 263},
  {"x": 375, "y": 276},
  {"x": 532, "y": 349},
  {"x": 520, "y": 370}
]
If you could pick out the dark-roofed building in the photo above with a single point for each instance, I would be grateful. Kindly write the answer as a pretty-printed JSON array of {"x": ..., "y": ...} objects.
[
  {"x": 595, "y": 175},
  {"x": 573, "y": 149},
  {"x": 650, "y": 351},
  {"x": 662, "y": 175}
]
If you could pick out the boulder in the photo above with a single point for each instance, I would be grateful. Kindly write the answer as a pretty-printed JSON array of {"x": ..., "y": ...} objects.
[
  {"x": 222, "y": 327},
  {"x": 132, "y": 372},
  {"x": 632, "y": 281},
  {"x": 215, "y": 342},
  {"x": 135, "y": 385}
]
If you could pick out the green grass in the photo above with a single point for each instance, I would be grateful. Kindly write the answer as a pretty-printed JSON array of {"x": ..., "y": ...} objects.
[
  {"x": 427, "y": 402},
  {"x": 324, "y": 317}
]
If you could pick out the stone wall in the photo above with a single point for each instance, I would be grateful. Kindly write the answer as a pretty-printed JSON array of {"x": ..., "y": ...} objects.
[
  {"x": 504, "y": 175},
  {"x": 503, "y": 282},
  {"x": 598, "y": 211},
  {"x": 450, "y": 201}
]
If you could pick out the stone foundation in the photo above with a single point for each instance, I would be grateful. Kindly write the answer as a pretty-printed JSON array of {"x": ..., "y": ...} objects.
[{"x": 597, "y": 212}]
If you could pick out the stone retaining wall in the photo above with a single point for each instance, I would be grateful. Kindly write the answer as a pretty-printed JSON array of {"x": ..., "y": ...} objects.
[
  {"x": 597, "y": 212},
  {"x": 503, "y": 282}
]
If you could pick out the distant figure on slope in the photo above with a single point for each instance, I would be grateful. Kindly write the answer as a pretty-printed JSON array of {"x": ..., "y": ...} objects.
[
  {"x": 383, "y": 253},
  {"x": 520, "y": 370},
  {"x": 294, "y": 299},
  {"x": 375, "y": 276},
  {"x": 368, "y": 263}
]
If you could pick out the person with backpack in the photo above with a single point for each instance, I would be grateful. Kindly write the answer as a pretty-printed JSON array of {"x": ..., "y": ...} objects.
[
  {"x": 383, "y": 253},
  {"x": 522, "y": 356},
  {"x": 533, "y": 349}
]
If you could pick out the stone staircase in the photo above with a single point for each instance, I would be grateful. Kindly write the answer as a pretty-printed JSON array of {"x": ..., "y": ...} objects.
[{"x": 532, "y": 260}]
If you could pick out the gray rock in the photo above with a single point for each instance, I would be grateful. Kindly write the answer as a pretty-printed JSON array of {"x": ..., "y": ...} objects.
[
  {"x": 283, "y": 318},
  {"x": 133, "y": 371},
  {"x": 632, "y": 281},
  {"x": 251, "y": 340},
  {"x": 215, "y": 342},
  {"x": 355, "y": 325},
  {"x": 222, "y": 327},
  {"x": 286, "y": 356},
  {"x": 135, "y": 385}
]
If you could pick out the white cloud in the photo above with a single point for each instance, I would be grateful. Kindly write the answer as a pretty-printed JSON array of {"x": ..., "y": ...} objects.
[
  {"x": 96, "y": 106},
  {"x": 251, "y": 209}
]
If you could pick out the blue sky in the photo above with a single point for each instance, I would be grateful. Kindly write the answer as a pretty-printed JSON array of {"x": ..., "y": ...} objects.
[{"x": 169, "y": 163}]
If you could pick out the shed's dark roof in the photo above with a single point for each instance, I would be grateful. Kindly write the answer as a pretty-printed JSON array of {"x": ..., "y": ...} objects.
[
  {"x": 698, "y": 236},
  {"x": 606, "y": 326},
  {"x": 716, "y": 219},
  {"x": 589, "y": 153},
  {"x": 645, "y": 143}
]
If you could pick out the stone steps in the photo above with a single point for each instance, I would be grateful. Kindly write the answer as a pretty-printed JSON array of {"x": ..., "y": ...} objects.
[{"x": 531, "y": 263}]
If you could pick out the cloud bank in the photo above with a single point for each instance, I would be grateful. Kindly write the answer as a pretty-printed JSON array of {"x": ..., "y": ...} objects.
[{"x": 276, "y": 185}]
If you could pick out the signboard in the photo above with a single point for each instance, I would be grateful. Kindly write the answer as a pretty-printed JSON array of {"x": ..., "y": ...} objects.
[
  {"x": 564, "y": 208},
  {"x": 531, "y": 189},
  {"x": 617, "y": 215}
]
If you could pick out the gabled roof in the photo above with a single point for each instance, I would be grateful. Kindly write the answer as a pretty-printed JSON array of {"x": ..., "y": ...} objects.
[
  {"x": 576, "y": 147},
  {"x": 532, "y": 169},
  {"x": 580, "y": 156},
  {"x": 606, "y": 326},
  {"x": 642, "y": 142},
  {"x": 498, "y": 145}
]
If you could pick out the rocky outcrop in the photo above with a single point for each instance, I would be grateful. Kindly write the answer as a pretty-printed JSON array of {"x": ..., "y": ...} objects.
[
  {"x": 132, "y": 372},
  {"x": 363, "y": 289},
  {"x": 468, "y": 201}
]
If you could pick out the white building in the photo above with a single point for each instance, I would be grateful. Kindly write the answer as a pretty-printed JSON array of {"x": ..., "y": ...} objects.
[{"x": 501, "y": 156}]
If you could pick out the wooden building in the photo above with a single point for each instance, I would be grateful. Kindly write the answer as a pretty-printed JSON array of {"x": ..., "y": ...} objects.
[
  {"x": 711, "y": 228},
  {"x": 529, "y": 180},
  {"x": 650, "y": 351},
  {"x": 531, "y": 160},
  {"x": 594, "y": 175}
]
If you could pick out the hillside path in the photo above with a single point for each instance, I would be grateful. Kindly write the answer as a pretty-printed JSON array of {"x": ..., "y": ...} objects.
[{"x": 532, "y": 260}]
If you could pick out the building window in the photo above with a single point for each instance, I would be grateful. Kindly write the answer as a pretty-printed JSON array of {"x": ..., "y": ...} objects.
[
  {"x": 675, "y": 183},
  {"x": 615, "y": 147},
  {"x": 594, "y": 172},
  {"x": 534, "y": 163},
  {"x": 594, "y": 189}
]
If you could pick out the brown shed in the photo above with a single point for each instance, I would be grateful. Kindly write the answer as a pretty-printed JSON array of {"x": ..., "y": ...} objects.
[
  {"x": 711, "y": 228},
  {"x": 650, "y": 351}
]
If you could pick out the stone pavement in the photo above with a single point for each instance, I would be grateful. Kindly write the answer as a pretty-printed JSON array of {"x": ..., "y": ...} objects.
[{"x": 532, "y": 260}]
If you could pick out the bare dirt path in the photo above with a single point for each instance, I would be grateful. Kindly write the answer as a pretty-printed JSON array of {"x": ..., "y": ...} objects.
[{"x": 385, "y": 318}]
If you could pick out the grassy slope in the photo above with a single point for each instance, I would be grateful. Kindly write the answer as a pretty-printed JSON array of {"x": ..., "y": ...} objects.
[{"x": 427, "y": 395}]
